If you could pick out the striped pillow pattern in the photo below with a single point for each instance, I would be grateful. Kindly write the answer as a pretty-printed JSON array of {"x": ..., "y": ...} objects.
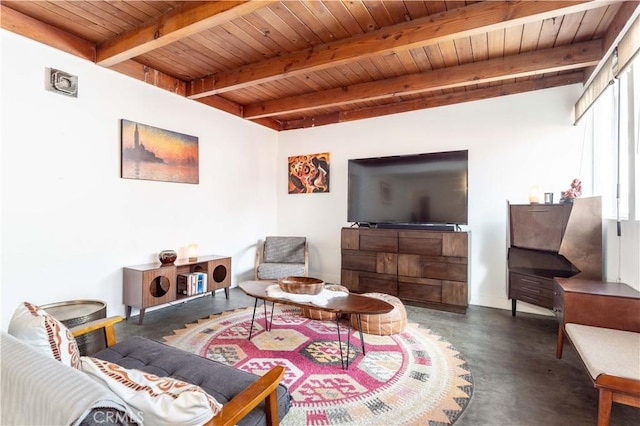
[{"x": 36, "y": 328}]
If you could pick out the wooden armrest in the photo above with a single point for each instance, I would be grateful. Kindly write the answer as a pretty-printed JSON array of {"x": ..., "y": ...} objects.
[
  {"x": 306, "y": 259},
  {"x": 263, "y": 388},
  {"x": 259, "y": 257},
  {"x": 618, "y": 384},
  {"x": 106, "y": 323}
]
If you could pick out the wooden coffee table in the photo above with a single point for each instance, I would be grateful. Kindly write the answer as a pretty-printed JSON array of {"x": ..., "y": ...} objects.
[{"x": 352, "y": 304}]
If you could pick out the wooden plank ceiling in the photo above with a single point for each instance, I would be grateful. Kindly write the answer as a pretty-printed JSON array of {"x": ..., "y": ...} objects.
[{"x": 295, "y": 64}]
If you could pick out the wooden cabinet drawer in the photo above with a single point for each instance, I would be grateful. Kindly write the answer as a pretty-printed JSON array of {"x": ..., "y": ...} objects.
[
  {"x": 448, "y": 244},
  {"x": 419, "y": 289},
  {"x": 437, "y": 291},
  {"x": 378, "y": 283},
  {"x": 425, "y": 243},
  {"x": 382, "y": 263},
  {"x": 350, "y": 279},
  {"x": 455, "y": 244},
  {"x": 455, "y": 293},
  {"x": 350, "y": 239},
  {"x": 531, "y": 289},
  {"x": 439, "y": 268},
  {"x": 358, "y": 260},
  {"x": 379, "y": 241},
  {"x": 365, "y": 282}
]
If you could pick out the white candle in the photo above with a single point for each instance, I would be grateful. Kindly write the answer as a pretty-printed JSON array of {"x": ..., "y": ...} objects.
[
  {"x": 535, "y": 195},
  {"x": 193, "y": 251}
]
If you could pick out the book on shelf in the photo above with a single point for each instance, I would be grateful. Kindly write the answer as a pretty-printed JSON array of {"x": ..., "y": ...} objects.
[
  {"x": 200, "y": 282},
  {"x": 192, "y": 284},
  {"x": 183, "y": 284}
]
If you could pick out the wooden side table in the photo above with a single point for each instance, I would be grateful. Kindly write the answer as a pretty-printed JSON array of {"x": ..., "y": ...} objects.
[{"x": 594, "y": 303}]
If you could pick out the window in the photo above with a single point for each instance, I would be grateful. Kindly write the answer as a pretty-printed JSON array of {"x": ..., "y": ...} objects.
[{"x": 615, "y": 129}]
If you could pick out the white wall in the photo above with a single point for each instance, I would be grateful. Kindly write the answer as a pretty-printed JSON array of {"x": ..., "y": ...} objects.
[
  {"x": 70, "y": 223},
  {"x": 514, "y": 142}
]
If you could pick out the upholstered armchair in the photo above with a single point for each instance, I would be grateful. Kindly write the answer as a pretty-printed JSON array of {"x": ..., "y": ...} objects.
[{"x": 278, "y": 257}]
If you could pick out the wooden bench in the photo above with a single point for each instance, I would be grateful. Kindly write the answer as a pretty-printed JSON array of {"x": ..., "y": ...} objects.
[
  {"x": 612, "y": 358},
  {"x": 602, "y": 320}
]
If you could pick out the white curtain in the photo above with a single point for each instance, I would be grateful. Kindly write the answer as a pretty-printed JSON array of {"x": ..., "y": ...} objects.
[{"x": 615, "y": 129}]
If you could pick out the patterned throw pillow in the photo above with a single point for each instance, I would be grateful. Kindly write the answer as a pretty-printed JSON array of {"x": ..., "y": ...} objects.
[
  {"x": 158, "y": 400},
  {"x": 36, "y": 328}
]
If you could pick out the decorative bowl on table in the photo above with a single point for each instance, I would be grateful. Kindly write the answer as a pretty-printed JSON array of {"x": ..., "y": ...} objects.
[
  {"x": 301, "y": 285},
  {"x": 167, "y": 257}
]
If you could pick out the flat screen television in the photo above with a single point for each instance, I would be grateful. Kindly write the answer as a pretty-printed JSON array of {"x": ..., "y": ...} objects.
[{"x": 420, "y": 189}]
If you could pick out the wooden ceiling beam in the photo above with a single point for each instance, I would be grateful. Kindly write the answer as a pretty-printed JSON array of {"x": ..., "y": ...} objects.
[
  {"x": 269, "y": 122},
  {"x": 172, "y": 26},
  {"x": 26, "y": 26},
  {"x": 526, "y": 64},
  {"x": 436, "y": 101},
  {"x": 151, "y": 76},
  {"x": 446, "y": 26},
  {"x": 222, "y": 104},
  {"x": 233, "y": 108}
]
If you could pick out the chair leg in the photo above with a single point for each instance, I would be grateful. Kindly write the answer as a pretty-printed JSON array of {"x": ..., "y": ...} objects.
[
  {"x": 605, "y": 398},
  {"x": 560, "y": 343},
  {"x": 271, "y": 409}
]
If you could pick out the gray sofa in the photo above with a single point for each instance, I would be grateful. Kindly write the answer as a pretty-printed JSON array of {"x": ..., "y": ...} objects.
[
  {"x": 218, "y": 380},
  {"x": 37, "y": 389}
]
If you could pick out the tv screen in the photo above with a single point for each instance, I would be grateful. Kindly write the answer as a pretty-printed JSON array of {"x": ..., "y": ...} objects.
[{"x": 409, "y": 189}]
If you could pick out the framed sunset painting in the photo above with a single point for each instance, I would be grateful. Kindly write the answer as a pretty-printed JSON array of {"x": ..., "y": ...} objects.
[{"x": 151, "y": 153}]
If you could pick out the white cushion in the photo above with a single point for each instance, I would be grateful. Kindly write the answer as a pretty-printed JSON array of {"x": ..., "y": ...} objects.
[
  {"x": 36, "y": 328},
  {"x": 38, "y": 390},
  {"x": 607, "y": 351},
  {"x": 158, "y": 400}
]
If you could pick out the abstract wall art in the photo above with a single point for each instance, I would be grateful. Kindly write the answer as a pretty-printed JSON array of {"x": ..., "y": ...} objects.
[
  {"x": 151, "y": 153},
  {"x": 309, "y": 173}
]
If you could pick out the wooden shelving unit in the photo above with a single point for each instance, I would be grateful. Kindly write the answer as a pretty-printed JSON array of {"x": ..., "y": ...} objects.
[{"x": 154, "y": 284}]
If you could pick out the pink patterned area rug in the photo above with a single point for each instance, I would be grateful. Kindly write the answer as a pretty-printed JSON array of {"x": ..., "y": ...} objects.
[{"x": 412, "y": 378}]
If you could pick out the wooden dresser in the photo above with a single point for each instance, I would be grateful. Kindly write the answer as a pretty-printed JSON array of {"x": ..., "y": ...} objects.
[
  {"x": 420, "y": 267},
  {"x": 595, "y": 303},
  {"x": 552, "y": 240}
]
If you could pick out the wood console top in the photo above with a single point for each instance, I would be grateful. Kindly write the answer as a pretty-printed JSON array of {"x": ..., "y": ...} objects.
[
  {"x": 609, "y": 289},
  {"x": 178, "y": 262}
]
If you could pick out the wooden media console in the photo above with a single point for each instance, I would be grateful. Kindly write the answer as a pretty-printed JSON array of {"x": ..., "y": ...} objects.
[
  {"x": 155, "y": 284},
  {"x": 420, "y": 267}
]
